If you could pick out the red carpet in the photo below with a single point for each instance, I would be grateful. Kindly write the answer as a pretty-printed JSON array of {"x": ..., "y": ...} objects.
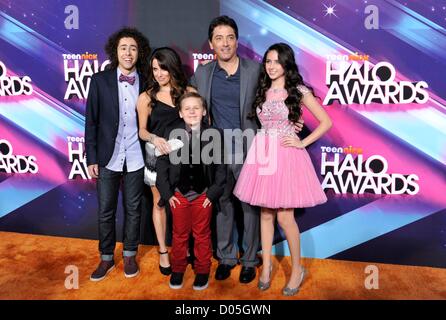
[{"x": 33, "y": 267}]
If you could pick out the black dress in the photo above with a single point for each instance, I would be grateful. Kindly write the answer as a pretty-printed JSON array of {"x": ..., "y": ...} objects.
[{"x": 162, "y": 117}]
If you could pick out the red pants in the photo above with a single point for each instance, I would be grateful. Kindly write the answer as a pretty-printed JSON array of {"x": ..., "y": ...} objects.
[{"x": 187, "y": 217}]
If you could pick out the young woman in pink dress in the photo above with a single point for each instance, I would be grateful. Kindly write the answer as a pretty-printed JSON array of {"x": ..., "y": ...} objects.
[{"x": 278, "y": 174}]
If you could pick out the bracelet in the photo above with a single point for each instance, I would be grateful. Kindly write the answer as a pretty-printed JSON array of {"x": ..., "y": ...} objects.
[{"x": 151, "y": 137}]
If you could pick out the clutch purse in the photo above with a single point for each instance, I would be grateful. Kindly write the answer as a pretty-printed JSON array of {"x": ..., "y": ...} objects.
[{"x": 174, "y": 144}]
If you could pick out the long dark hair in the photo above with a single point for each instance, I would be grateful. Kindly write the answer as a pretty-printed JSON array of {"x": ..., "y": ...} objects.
[
  {"x": 142, "y": 64},
  {"x": 170, "y": 61},
  {"x": 292, "y": 80}
]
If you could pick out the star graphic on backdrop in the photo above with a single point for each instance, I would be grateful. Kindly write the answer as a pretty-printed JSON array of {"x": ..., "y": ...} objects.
[{"x": 330, "y": 10}]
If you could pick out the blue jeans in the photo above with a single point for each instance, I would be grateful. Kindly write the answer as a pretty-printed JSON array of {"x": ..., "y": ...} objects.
[{"x": 108, "y": 184}]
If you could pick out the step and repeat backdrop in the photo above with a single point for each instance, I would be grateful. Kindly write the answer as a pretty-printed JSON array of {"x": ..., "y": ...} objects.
[{"x": 377, "y": 66}]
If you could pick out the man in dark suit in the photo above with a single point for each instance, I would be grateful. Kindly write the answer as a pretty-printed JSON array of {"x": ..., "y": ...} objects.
[
  {"x": 229, "y": 86},
  {"x": 113, "y": 149}
]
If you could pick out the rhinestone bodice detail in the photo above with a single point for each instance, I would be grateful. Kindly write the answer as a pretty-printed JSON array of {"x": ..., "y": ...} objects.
[{"x": 274, "y": 113}]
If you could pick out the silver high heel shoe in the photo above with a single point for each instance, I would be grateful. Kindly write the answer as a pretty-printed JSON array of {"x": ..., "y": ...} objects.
[
  {"x": 287, "y": 291},
  {"x": 265, "y": 285}
]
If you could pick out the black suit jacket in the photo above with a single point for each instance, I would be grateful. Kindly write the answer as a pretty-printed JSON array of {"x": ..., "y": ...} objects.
[
  {"x": 102, "y": 117},
  {"x": 168, "y": 174}
]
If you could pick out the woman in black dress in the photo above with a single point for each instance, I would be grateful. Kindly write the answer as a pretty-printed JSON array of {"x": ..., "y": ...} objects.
[{"x": 156, "y": 112}]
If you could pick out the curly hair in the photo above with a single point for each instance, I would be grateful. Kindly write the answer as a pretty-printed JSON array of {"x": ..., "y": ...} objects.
[
  {"x": 169, "y": 61},
  {"x": 292, "y": 79},
  {"x": 111, "y": 48}
]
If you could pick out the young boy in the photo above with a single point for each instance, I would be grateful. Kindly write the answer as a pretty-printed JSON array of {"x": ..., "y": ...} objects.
[{"x": 192, "y": 187}]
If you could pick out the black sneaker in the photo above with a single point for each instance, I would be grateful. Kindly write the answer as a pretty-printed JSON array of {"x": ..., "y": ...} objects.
[
  {"x": 102, "y": 270},
  {"x": 131, "y": 268},
  {"x": 201, "y": 281},
  {"x": 176, "y": 280}
]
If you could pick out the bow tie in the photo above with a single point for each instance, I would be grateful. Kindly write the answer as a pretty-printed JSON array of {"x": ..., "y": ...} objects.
[{"x": 130, "y": 80}]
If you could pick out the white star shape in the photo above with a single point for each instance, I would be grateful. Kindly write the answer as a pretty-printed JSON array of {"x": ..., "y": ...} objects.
[{"x": 330, "y": 10}]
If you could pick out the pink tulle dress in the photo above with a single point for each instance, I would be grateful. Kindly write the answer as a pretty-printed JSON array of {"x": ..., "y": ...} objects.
[{"x": 274, "y": 176}]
